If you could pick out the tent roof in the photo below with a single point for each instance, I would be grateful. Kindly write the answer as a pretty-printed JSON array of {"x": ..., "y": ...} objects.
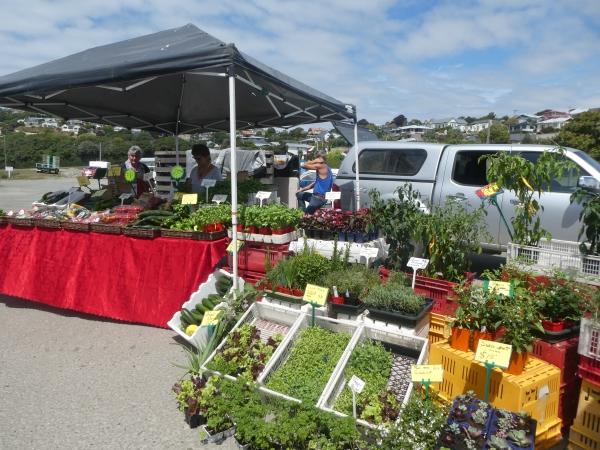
[{"x": 172, "y": 81}]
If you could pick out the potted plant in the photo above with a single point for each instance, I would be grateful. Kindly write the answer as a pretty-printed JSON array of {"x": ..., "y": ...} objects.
[
  {"x": 467, "y": 423},
  {"x": 397, "y": 304},
  {"x": 461, "y": 329},
  {"x": 558, "y": 303},
  {"x": 188, "y": 393},
  {"x": 352, "y": 284}
]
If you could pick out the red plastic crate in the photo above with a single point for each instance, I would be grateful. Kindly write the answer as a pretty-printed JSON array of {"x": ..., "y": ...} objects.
[
  {"x": 589, "y": 369},
  {"x": 442, "y": 293},
  {"x": 567, "y": 404},
  {"x": 253, "y": 259},
  {"x": 562, "y": 354}
]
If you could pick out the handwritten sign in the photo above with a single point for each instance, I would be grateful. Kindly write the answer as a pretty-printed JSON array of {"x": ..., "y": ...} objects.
[
  {"x": 316, "y": 295},
  {"x": 211, "y": 318},
  {"x": 417, "y": 263},
  {"x": 83, "y": 181},
  {"x": 231, "y": 246},
  {"x": 433, "y": 373},
  {"x": 114, "y": 171},
  {"x": 496, "y": 352},
  {"x": 219, "y": 198},
  {"x": 333, "y": 195},
  {"x": 189, "y": 199},
  {"x": 263, "y": 195},
  {"x": 500, "y": 287},
  {"x": 356, "y": 384},
  {"x": 490, "y": 190},
  {"x": 208, "y": 183}
]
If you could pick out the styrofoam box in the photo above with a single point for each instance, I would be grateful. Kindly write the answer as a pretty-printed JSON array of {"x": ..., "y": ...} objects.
[
  {"x": 338, "y": 381},
  {"x": 285, "y": 347},
  {"x": 257, "y": 311},
  {"x": 200, "y": 337},
  {"x": 421, "y": 330},
  {"x": 266, "y": 238}
]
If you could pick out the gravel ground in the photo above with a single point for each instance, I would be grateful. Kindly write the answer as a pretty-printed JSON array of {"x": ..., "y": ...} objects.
[{"x": 72, "y": 381}]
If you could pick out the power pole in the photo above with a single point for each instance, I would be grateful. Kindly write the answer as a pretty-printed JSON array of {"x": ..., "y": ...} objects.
[{"x": 487, "y": 141}]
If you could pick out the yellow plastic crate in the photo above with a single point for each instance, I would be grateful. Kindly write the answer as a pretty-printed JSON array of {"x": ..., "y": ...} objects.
[
  {"x": 579, "y": 440},
  {"x": 587, "y": 420},
  {"x": 512, "y": 392},
  {"x": 440, "y": 324},
  {"x": 547, "y": 435}
]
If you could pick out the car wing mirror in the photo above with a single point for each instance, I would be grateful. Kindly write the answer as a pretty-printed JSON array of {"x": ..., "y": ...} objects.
[{"x": 589, "y": 183}]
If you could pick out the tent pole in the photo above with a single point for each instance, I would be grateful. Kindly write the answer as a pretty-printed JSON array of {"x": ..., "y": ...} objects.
[
  {"x": 356, "y": 182},
  {"x": 177, "y": 149},
  {"x": 234, "y": 200}
]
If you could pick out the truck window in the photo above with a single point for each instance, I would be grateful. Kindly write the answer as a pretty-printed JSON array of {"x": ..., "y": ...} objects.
[
  {"x": 391, "y": 161},
  {"x": 468, "y": 170},
  {"x": 566, "y": 183}
]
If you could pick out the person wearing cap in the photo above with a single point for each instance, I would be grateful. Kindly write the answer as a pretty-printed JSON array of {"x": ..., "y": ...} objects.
[
  {"x": 142, "y": 182},
  {"x": 322, "y": 184},
  {"x": 204, "y": 170}
]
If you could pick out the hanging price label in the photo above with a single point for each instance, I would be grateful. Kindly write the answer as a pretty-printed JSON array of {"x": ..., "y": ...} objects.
[
  {"x": 356, "y": 384},
  {"x": 433, "y": 373},
  {"x": 417, "y": 263},
  {"x": 500, "y": 287},
  {"x": 114, "y": 171},
  {"x": 211, "y": 318},
  {"x": 219, "y": 198},
  {"x": 231, "y": 245},
  {"x": 208, "y": 183},
  {"x": 189, "y": 199},
  {"x": 496, "y": 352},
  {"x": 333, "y": 195},
  {"x": 83, "y": 181},
  {"x": 316, "y": 295}
]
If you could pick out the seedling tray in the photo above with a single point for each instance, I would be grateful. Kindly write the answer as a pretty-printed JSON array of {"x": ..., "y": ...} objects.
[
  {"x": 405, "y": 320},
  {"x": 269, "y": 320}
]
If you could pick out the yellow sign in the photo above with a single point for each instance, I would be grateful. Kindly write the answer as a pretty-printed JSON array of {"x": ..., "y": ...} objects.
[
  {"x": 230, "y": 247},
  {"x": 490, "y": 189},
  {"x": 83, "y": 181},
  {"x": 211, "y": 318},
  {"x": 433, "y": 373},
  {"x": 316, "y": 295},
  {"x": 189, "y": 199},
  {"x": 496, "y": 352},
  {"x": 114, "y": 171},
  {"x": 500, "y": 287}
]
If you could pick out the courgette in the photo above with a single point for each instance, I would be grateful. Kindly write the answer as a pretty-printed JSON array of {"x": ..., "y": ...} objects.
[
  {"x": 201, "y": 308},
  {"x": 197, "y": 317}
]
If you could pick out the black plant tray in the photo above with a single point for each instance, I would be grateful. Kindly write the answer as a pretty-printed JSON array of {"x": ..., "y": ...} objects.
[
  {"x": 395, "y": 318},
  {"x": 552, "y": 337},
  {"x": 351, "y": 310}
]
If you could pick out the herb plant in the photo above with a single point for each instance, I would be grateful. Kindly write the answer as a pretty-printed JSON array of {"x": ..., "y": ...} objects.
[
  {"x": 394, "y": 297},
  {"x": 590, "y": 216}
]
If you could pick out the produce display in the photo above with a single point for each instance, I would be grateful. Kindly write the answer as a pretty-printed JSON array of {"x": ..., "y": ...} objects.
[
  {"x": 313, "y": 357},
  {"x": 191, "y": 319}
]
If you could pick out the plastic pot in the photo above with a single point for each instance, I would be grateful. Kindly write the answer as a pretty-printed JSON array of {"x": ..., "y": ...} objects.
[
  {"x": 517, "y": 363},
  {"x": 460, "y": 339},
  {"x": 481, "y": 335}
]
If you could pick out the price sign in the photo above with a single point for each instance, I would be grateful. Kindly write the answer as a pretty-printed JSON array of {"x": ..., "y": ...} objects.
[
  {"x": 231, "y": 245},
  {"x": 125, "y": 196},
  {"x": 211, "y": 318},
  {"x": 333, "y": 195},
  {"x": 177, "y": 173},
  {"x": 496, "y": 352},
  {"x": 417, "y": 263},
  {"x": 83, "y": 181},
  {"x": 130, "y": 175},
  {"x": 219, "y": 198},
  {"x": 208, "y": 183},
  {"x": 433, "y": 373},
  {"x": 114, "y": 171},
  {"x": 488, "y": 191},
  {"x": 370, "y": 252},
  {"x": 356, "y": 384},
  {"x": 263, "y": 195},
  {"x": 189, "y": 199},
  {"x": 316, "y": 295},
  {"x": 500, "y": 287}
]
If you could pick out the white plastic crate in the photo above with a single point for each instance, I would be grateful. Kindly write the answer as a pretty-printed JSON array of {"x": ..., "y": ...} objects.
[
  {"x": 401, "y": 345},
  {"x": 589, "y": 339},
  {"x": 561, "y": 255},
  {"x": 269, "y": 319},
  {"x": 265, "y": 238},
  {"x": 284, "y": 349},
  {"x": 200, "y": 337}
]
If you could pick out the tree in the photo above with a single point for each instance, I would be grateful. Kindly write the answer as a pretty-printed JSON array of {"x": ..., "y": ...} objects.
[
  {"x": 470, "y": 119},
  {"x": 490, "y": 116},
  {"x": 400, "y": 120},
  {"x": 582, "y": 132},
  {"x": 363, "y": 122},
  {"x": 498, "y": 134},
  {"x": 415, "y": 122},
  {"x": 298, "y": 133}
]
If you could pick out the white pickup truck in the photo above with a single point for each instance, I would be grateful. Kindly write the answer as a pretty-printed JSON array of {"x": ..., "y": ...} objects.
[{"x": 439, "y": 171}]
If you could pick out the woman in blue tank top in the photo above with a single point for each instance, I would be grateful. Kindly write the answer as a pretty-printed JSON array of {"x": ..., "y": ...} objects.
[{"x": 322, "y": 184}]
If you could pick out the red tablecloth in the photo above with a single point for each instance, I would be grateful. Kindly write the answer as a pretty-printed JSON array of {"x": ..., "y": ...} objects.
[{"x": 120, "y": 277}]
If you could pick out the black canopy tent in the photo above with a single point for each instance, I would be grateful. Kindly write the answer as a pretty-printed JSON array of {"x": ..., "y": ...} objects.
[{"x": 181, "y": 80}]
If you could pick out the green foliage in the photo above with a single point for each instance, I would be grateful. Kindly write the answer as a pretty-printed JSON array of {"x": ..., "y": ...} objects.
[
  {"x": 499, "y": 134},
  {"x": 334, "y": 158},
  {"x": 519, "y": 314},
  {"x": 582, "y": 132},
  {"x": 449, "y": 234},
  {"x": 559, "y": 298},
  {"x": 355, "y": 280},
  {"x": 525, "y": 179},
  {"x": 478, "y": 309},
  {"x": 590, "y": 218},
  {"x": 213, "y": 214},
  {"x": 297, "y": 271},
  {"x": 313, "y": 357},
  {"x": 394, "y": 297},
  {"x": 397, "y": 219}
]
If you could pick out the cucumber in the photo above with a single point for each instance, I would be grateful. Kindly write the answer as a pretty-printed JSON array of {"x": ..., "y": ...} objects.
[
  {"x": 201, "y": 308},
  {"x": 208, "y": 303},
  {"x": 214, "y": 302},
  {"x": 197, "y": 317},
  {"x": 187, "y": 315}
]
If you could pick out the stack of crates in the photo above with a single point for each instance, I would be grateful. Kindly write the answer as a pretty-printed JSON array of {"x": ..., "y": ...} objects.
[
  {"x": 439, "y": 327},
  {"x": 512, "y": 392}
]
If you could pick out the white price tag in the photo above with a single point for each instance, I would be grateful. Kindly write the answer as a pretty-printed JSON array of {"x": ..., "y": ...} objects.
[
  {"x": 544, "y": 391},
  {"x": 356, "y": 384},
  {"x": 263, "y": 195},
  {"x": 417, "y": 263},
  {"x": 125, "y": 196},
  {"x": 370, "y": 252},
  {"x": 9, "y": 168},
  {"x": 208, "y": 183},
  {"x": 219, "y": 198},
  {"x": 333, "y": 195}
]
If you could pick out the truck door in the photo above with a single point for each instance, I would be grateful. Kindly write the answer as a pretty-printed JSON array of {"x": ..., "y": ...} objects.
[
  {"x": 463, "y": 174},
  {"x": 559, "y": 217}
]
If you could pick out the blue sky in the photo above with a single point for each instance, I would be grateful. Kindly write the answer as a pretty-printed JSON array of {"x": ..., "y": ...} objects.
[{"x": 421, "y": 58}]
